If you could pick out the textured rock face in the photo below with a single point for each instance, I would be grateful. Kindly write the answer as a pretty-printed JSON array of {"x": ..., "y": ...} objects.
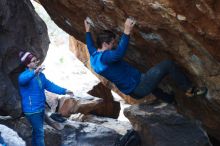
[
  {"x": 73, "y": 134},
  {"x": 20, "y": 29},
  {"x": 186, "y": 31},
  {"x": 161, "y": 125},
  {"x": 88, "y": 134}
]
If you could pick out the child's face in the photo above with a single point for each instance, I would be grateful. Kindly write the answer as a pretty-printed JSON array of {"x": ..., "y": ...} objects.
[{"x": 34, "y": 63}]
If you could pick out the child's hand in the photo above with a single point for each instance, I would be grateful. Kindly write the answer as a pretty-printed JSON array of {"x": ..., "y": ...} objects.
[
  {"x": 39, "y": 69},
  {"x": 69, "y": 92}
]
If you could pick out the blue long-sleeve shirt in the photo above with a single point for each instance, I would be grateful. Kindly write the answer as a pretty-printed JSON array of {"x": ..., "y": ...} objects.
[
  {"x": 32, "y": 89},
  {"x": 110, "y": 64}
]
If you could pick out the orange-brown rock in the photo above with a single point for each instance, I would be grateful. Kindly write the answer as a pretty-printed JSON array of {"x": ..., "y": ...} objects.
[
  {"x": 185, "y": 31},
  {"x": 109, "y": 107},
  {"x": 70, "y": 106},
  {"x": 104, "y": 106}
]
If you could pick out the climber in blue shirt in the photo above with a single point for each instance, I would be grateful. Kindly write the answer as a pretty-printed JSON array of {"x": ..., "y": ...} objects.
[{"x": 107, "y": 61}]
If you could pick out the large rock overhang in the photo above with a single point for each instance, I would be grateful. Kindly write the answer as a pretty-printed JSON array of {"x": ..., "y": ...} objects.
[{"x": 185, "y": 31}]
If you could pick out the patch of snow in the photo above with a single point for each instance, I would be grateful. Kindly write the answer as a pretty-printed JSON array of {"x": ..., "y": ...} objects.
[{"x": 11, "y": 137}]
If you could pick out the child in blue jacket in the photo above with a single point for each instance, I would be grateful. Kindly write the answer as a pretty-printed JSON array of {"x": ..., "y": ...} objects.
[{"x": 32, "y": 84}]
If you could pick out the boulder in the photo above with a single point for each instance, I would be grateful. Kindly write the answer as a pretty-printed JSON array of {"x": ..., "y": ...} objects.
[
  {"x": 186, "y": 32},
  {"x": 87, "y": 134},
  {"x": 160, "y": 125},
  {"x": 109, "y": 107},
  {"x": 72, "y": 133},
  {"x": 85, "y": 103},
  {"x": 73, "y": 105}
]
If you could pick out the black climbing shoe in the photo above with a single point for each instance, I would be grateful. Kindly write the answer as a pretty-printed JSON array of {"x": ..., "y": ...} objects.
[
  {"x": 57, "y": 117},
  {"x": 196, "y": 91}
]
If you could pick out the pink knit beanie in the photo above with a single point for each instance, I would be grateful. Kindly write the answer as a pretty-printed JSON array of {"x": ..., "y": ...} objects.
[{"x": 25, "y": 57}]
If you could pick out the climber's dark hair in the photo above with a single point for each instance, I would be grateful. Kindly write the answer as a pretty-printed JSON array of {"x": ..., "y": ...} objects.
[{"x": 105, "y": 36}]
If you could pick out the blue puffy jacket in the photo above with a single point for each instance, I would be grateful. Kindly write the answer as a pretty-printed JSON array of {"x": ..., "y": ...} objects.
[{"x": 32, "y": 88}]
